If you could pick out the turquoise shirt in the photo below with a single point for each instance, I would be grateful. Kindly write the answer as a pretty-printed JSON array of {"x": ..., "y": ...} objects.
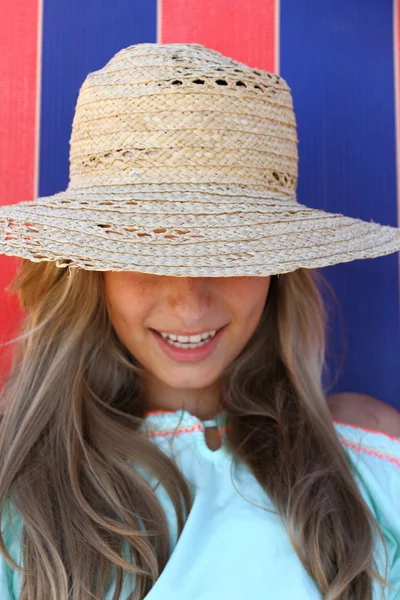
[{"x": 230, "y": 546}]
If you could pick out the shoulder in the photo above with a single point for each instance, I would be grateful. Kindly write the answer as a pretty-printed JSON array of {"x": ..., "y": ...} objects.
[
  {"x": 374, "y": 458},
  {"x": 364, "y": 411},
  {"x": 11, "y": 523},
  {"x": 369, "y": 431},
  {"x": 373, "y": 444},
  {"x": 11, "y": 530}
]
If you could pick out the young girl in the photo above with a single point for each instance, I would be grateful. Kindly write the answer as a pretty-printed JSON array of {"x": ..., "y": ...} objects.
[{"x": 165, "y": 431}]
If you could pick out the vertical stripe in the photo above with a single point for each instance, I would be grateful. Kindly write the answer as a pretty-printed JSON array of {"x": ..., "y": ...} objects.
[
  {"x": 78, "y": 38},
  {"x": 277, "y": 33},
  {"x": 245, "y": 31},
  {"x": 20, "y": 27},
  {"x": 38, "y": 96},
  {"x": 159, "y": 20},
  {"x": 338, "y": 59},
  {"x": 18, "y": 83},
  {"x": 396, "y": 60}
]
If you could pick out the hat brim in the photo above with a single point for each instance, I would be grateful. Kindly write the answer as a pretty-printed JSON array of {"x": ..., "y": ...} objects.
[{"x": 178, "y": 235}]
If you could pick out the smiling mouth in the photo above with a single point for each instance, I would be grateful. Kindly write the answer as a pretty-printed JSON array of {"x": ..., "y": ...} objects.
[
  {"x": 188, "y": 352},
  {"x": 187, "y": 334}
]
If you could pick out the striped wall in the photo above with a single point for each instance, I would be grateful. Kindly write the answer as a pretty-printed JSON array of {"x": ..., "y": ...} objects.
[
  {"x": 341, "y": 59},
  {"x": 338, "y": 56},
  {"x": 20, "y": 86}
]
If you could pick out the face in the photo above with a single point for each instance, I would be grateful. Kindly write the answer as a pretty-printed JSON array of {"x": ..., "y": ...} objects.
[{"x": 140, "y": 304}]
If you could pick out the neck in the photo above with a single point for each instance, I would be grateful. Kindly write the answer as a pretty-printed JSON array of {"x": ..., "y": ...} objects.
[{"x": 202, "y": 403}]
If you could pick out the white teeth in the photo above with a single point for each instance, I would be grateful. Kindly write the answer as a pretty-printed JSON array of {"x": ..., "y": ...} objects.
[
  {"x": 188, "y": 339},
  {"x": 189, "y": 346}
]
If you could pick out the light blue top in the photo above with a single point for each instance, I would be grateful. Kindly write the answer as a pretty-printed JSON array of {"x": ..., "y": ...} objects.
[{"x": 230, "y": 547}]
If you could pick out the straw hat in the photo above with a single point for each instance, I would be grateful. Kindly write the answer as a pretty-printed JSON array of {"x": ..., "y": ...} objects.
[{"x": 184, "y": 162}]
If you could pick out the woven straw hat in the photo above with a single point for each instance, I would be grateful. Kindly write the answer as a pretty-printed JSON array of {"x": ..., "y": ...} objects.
[{"x": 184, "y": 162}]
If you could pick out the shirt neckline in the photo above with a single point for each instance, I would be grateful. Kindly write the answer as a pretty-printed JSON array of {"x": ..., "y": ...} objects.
[
  {"x": 182, "y": 418},
  {"x": 172, "y": 424}
]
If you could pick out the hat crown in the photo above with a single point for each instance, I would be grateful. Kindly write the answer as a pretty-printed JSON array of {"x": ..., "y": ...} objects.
[{"x": 183, "y": 113}]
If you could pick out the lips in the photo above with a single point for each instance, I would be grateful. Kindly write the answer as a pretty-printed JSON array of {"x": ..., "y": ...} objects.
[{"x": 188, "y": 355}]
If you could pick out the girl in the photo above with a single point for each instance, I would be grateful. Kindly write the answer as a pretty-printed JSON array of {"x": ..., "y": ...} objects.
[{"x": 165, "y": 431}]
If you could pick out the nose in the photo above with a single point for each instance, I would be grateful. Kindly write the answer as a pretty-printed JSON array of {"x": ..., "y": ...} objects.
[{"x": 190, "y": 294}]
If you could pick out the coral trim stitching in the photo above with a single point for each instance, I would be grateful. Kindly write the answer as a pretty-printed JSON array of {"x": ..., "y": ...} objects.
[
  {"x": 374, "y": 452},
  {"x": 197, "y": 427},
  {"x": 374, "y": 431},
  {"x": 356, "y": 447}
]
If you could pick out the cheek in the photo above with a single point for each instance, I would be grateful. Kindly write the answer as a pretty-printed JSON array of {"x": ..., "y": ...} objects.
[
  {"x": 250, "y": 299},
  {"x": 119, "y": 319},
  {"x": 128, "y": 304},
  {"x": 120, "y": 306},
  {"x": 127, "y": 326}
]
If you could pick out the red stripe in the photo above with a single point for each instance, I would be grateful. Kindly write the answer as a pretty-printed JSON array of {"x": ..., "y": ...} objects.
[
  {"x": 244, "y": 31},
  {"x": 18, "y": 84}
]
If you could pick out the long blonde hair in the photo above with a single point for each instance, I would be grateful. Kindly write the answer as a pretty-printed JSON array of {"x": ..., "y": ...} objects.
[{"x": 71, "y": 409}]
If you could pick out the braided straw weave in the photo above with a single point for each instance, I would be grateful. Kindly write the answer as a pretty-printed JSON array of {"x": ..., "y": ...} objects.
[{"x": 184, "y": 162}]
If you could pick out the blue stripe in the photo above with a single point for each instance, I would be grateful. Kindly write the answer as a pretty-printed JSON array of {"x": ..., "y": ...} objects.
[
  {"x": 337, "y": 56},
  {"x": 80, "y": 36}
]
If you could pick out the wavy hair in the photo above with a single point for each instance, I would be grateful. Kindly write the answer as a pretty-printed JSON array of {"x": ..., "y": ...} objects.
[{"x": 71, "y": 408}]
